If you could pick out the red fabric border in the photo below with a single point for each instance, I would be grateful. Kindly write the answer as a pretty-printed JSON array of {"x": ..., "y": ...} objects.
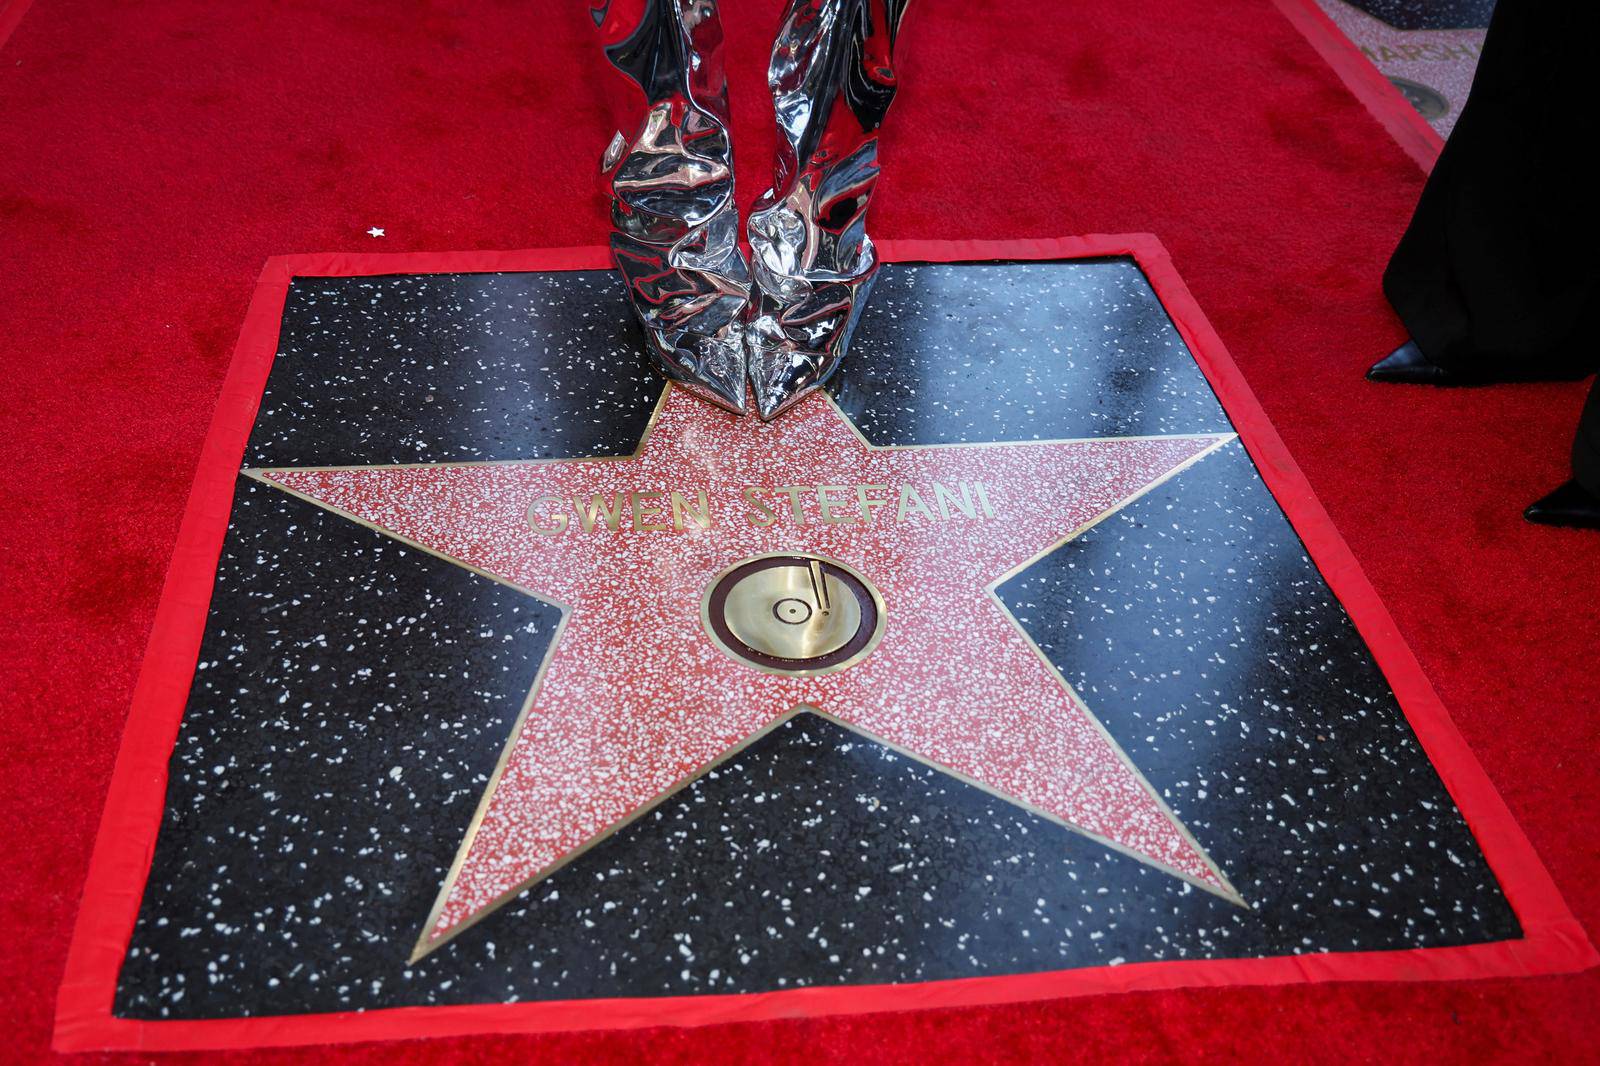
[
  {"x": 1553, "y": 941},
  {"x": 1409, "y": 129}
]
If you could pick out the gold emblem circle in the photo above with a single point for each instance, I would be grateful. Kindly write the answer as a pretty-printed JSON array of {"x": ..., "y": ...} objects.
[{"x": 793, "y": 613}]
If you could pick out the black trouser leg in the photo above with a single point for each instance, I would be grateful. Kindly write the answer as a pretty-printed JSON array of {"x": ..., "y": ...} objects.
[{"x": 1496, "y": 276}]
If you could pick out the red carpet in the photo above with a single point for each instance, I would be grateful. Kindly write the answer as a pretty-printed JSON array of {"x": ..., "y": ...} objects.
[{"x": 152, "y": 156}]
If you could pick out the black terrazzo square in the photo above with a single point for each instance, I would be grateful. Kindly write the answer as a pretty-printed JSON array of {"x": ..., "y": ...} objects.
[{"x": 353, "y": 694}]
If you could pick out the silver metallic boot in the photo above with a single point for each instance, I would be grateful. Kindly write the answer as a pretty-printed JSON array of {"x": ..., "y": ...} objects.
[
  {"x": 675, "y": 223},
  {"x": 832, "y": 80}
]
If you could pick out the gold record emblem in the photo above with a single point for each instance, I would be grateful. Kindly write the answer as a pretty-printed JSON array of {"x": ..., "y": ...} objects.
[{"x": 793, "y": 614}]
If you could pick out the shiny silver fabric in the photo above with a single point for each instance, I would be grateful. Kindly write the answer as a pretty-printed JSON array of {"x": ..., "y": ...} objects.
[
  {"x": 832, "y": 81},
  {"x": 675, "y": 222}
]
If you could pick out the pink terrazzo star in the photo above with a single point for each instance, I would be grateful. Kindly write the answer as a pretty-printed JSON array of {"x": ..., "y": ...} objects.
[{"x": 636, "y": 699}]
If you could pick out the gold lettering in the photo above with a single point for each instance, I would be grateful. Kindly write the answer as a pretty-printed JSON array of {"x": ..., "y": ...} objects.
[
  {"x": 647, "y": 511},
  {"x": 946, "y": 498},
  {"x": 983, "y": 499},
  {"x": 549, "y": 516},
  {"x": 869, "y": 504},
  {"x": 700, "y": 516},
  {"x": 833, "y": 510},
  {"x": 911, "y": 500},
  {"x": 794, "y": 492},
  {"x": 597, "y": 509},
  {"x": 560, "y": 520},
  {"x": 761, "y": 515}
]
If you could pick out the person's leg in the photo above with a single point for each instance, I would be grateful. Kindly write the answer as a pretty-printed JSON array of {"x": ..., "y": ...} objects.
[
  {"x": 1577, "y": 503},
  {"x": 1493, "y": 275},
  {"x": 675, "y": 222},
  {"x": 832, "y": 80}
]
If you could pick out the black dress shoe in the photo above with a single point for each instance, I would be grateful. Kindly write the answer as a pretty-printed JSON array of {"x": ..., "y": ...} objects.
[
  {"x": 1406, "y": 365},
  {"x": 1570, "y": 505}
]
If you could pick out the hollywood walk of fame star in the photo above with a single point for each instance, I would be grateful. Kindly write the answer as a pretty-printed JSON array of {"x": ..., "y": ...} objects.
[{"x": 636, "y": 698}]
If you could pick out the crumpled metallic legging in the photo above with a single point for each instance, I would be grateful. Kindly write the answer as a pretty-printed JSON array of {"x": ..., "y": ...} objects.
[{"x": 784, "y": 321}]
